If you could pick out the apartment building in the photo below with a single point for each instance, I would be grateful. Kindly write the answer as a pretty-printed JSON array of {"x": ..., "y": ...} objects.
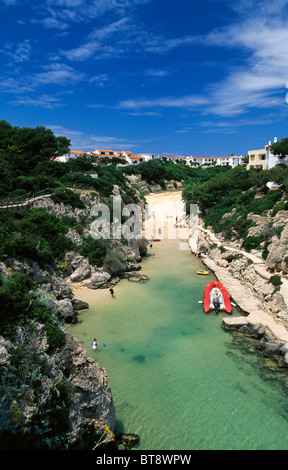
[
  {"x": 130, "y": 159},
  {"x": 109, "y": 154},
  {"x": 257, "y": 159},
  {"x": 264, "y": 159},
  {"x": 231, "y": 160},
  {"x": 67, "y": 156}
]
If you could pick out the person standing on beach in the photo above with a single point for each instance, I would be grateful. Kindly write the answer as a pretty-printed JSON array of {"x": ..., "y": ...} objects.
[{"x": 112, "y": 292}]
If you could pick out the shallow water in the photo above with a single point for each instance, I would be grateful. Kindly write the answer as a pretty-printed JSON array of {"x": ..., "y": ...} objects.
[{"x": 177, "y": 378}]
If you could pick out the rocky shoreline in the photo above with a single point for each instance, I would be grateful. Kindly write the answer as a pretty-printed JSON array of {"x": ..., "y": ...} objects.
[{"x": 263, "y": 312}]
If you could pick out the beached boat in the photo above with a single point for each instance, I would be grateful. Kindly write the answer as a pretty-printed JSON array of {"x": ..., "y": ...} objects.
[
  {"x": 155, "y": 240},
  {"x": 216, "y": 298},
  {"x": 203, "y": 271}
]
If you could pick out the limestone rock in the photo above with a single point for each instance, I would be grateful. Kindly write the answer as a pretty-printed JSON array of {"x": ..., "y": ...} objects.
[
  {"x": 75, "y": 237},
  {"x": 79, "y": 304},
  {"x": 82, "y": 271},
  {"x": 67, "y": 311},
  {"x": 99, "y": 279},
  {"x": 136, "y": 277},
  {"x": 93, "y": 402}
]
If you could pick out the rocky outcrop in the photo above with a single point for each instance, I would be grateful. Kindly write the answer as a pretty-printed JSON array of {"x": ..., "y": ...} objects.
[
  {"x": 136, "y": 277},
  {"x": 64, "y": 387},
  {"x": 268, "y": 345},
  {"x": 92, "y": 404},
  {"x": 277, "y": 259},
  {"x": 79, "y": 270},
  {"x": 98, "y": 279},
  {"x": 247, "y": 281},
  {"x": 153, "y": 187},
  {"x": 66, "y": 210},
  {"x": 251, "y": 270}
]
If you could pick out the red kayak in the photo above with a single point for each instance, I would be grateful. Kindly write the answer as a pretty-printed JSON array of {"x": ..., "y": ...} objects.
[
  {"x": 155, "y": 240},
  {"x": 216, "y": 298}
]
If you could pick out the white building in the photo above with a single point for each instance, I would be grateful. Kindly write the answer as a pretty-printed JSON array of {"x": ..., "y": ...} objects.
[
  {"x": 264, "y": 159},
  {"x": 67, "y": 156},
  {"x": 231, "y": 160},
  {"x": 273, "y": 160}
]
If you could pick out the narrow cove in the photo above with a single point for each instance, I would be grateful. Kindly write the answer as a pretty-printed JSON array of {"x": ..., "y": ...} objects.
[{"x": 177, "y": 378}]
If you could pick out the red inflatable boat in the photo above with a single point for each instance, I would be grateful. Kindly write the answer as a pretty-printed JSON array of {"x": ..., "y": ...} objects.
[{"x": 216, "y": 298}]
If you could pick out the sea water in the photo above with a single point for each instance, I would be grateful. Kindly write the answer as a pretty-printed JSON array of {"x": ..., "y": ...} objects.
[{"x": 178, "y": 379}]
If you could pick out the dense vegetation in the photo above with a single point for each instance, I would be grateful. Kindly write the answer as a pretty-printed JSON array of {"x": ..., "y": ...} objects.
[
  {"x": 237, "y": 193},
  {"x": 157, "y": 171}
]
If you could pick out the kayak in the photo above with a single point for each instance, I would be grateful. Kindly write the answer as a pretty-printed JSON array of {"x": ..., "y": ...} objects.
[
  {"x": 202, "y": 271},
  {"x": 216, "y": 298}
]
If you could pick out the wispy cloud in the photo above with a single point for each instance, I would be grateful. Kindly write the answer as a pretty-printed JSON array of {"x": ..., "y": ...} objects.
[
  {"x": 18, "y": 53},
  {"x": 258, "y": 82},
  {"x": 256, "y": 39},
  {"x": 57, "y": 73},
  {"x": 97, "y": 44},
  {"x": 43, "y": 101},
  {"x": 61, "y": 14},
  {"x": 166, "y": 102}
]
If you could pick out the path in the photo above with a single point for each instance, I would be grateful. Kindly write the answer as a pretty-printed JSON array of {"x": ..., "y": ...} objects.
[{"x": 25, "y": 201}]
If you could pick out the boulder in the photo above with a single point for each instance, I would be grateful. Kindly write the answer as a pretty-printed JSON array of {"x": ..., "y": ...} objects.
[
  {"x": 99, "y": 279},
  {"x": 233, "y": 323},
  {"x": 126, "y": 441},
  {"x": 79, "y": 304},
  {"x": 82, "y": 271},
  {"x": 67, "y": 311},
  {"x": 136, "y": 277}
]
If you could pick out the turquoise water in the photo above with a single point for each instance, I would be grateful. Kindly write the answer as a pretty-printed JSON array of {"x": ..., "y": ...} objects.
[{"x": 178, "y": 379}]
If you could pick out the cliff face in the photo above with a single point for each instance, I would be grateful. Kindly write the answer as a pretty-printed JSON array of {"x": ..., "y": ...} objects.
[
  {"x": 57, "y": 398},
  {"x": 92, "y": 404},
  {"x": 51, "y": 398}
]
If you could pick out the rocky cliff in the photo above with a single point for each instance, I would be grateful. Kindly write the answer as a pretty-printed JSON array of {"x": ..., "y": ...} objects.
[
  {"x": 59, "y": 398},
  {"x": 52, "y": 399}
]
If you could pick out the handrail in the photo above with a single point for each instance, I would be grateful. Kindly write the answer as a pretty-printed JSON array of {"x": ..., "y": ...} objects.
[{"x": 25, "y": 199}]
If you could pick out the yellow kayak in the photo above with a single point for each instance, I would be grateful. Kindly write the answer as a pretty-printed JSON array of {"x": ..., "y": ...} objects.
[{"x": 202, "y": 271}]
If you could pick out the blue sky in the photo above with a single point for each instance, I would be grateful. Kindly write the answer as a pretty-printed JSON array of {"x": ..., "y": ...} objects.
[{"x": 174, "y": 77}]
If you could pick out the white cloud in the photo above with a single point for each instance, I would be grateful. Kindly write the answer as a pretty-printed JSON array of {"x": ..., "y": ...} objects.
[
  {"x": 110, "y": 40},
  {"x": 57, "y": 13},
  {"x": 44, "y": 101},
  {"x": 166, "y": 102},
  {"x": 260, "y": 37},
  {"x": 57, "y": 73}
]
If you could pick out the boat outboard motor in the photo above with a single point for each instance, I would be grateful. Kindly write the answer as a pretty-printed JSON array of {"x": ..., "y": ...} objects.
[{"x": 216, "y": 305}]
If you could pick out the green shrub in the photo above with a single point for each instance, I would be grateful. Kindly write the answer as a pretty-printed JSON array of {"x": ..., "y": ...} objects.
[
  {"x": 55, "y": 336},
  {"x": 251, "y": 243},
  {"x": 275, "y": 280},
  {"x": 114, "y": 261},
  {"x": 66, "y": 196},
  {"x": 94, "y": 250},
  {"x": 15, "y": 301}
]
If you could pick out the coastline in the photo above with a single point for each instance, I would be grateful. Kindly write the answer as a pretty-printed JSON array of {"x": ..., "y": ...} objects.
[{"x": 241, "y": 294}]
